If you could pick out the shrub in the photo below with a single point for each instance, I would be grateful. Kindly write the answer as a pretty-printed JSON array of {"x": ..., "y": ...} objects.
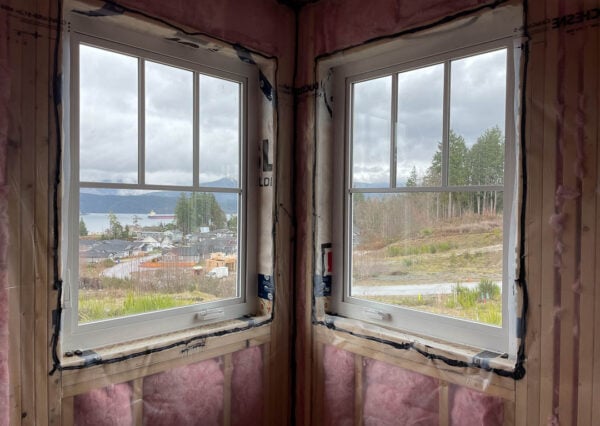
[
  {"x": 463, "y": 297},
  {"x": 491, "y": 317},
  {"x": 487, "y": 289}
]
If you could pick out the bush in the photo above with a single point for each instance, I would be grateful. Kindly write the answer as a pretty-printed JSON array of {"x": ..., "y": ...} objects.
[
  {"x": 487, "y": 289},
  {"x": 463, "y": 297},
  {"x": 393, "y": 251},
  {"x": 491, "y": 317}
]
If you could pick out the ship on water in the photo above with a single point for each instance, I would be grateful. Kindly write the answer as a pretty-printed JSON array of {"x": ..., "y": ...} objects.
[{"x": 154, "y": 215}]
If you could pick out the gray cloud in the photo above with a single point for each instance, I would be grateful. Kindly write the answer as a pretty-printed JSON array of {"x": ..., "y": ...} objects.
[
  {"x": 478, "y": 90},
  {"x": 478, "y": 94},
  {"x": 219, "y": 129},
  {"x": 109, "y": 122},
  {"x": 371, "y": 130}
]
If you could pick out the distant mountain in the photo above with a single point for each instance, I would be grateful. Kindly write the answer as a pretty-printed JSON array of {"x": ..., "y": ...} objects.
[
  {"x": 399, "y": 183},
  {"x": 162, "y": 202}
]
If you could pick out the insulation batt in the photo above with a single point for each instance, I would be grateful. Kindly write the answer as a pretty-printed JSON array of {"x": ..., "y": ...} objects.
[
  {"x": 185, "y": 396},
  {"x": 338, "y": 368},
  {"x": 109, "y": 406},
  {"x": 247, "y": 391},
  {"x": 397, "y": 397},
  {"x": 471, "y": 408}
]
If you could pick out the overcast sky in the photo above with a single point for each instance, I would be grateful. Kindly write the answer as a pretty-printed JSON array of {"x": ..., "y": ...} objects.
[
  {"x": 109, "y": 122},
  {"x": 477, "y": 102}
]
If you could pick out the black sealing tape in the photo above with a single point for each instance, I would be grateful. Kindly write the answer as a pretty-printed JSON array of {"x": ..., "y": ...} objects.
[
  {"x": 265, "y": 86},
  {"x": 244, "y": 54},
  {"x": 322, "y": 286},
  {"x": 266, "y": 287},
  {"x": 520, "y": 327},
  {"x": 482, "y": 358},
  {"x": 107, "y": 10},
  {"x": 89, "y": 357}
]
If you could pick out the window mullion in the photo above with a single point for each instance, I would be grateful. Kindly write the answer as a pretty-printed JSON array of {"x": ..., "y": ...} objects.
[
  {"x": 141, "y": 122},
  {"x": 393, "y": 139},
  {"x": 196, "y": 132},
  {"x": 446, "y": 125}
]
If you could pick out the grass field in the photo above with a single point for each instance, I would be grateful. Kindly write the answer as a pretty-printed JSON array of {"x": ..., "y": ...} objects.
[
  {"x": 172, "y": 285},
  {"x": 465, "y": 250}
]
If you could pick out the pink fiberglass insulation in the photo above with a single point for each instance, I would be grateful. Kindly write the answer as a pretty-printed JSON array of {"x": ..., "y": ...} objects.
[
  {"x": 396, "y": 397},
  {"x": 247, "y": 391},
  {"x": 185, "y": 396},
  {"x": 4, "y": 96},
  {"x": 109, "y": 406},
  {"x": 472, "y": 408},
  {"x": 338, "y": 369}
]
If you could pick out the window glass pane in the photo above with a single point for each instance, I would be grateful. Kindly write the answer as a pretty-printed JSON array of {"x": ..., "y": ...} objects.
[
  {"x": 108, "y": 116},
  {"x": 477, "y": 115},
  {"x": 169, "y": 125},
  {"x": 420, "y": 126},
  {"x": 142, "y": 251},
  {"x": 219, "y": 132},
  {"x": 371, "y": 124},
  {"x": 430, "y": 252}
]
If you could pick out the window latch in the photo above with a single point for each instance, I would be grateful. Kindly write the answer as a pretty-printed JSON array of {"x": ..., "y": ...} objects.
[
  {"x": 210, "y": 314},
  {"x": 377, "y": 315}
]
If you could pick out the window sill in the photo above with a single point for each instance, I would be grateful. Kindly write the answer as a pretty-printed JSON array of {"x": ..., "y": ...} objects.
[
  {"x": 136, "y": 359},
  {"x": 454, "y": 355}
]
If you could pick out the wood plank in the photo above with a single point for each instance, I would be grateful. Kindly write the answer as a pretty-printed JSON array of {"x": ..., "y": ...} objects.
[
  {"x": 266, "y": 380},
  {"x": 14, "y": 231},
  {"x": 68, "y": 411},
  {"x": 588, "y": 225},
  {"x": 569, "y": 341},
  {"x": 528, "y": 389},
  {"x": 281, "y": 384},
  {"x": 509, "y": 413},
  {"x": 27, "y": 242},
  {"x": 444, "y": 403},
  {"x": 227, "y": 373},
  {"x": 219, "y": 345},
  {"x": 54, "y": 383},
  {"x": 596, "y": 324},
  {"x": 470, "y": 377},
  {"x": 359, "y": 390},
  {"x": 317, "y": 384},
  {"x": 121, "y": 375},
  {"x": 548, "y": 189},
  {"x": 43, "y": 257},
  {"x": 137, "y": 401}
]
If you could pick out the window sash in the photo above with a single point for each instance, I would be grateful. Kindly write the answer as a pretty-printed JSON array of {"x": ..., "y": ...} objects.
[
  {"x": 428, "y": 324},
  {"x": 76, "y": 336}
]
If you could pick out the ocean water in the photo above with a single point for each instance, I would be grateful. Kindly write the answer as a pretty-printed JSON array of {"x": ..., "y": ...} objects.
[{"x": 96, "y": 223}]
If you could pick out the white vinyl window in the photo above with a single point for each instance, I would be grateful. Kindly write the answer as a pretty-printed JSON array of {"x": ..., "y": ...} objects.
[
  {"x": 158, "y": 222},
  {"x": 428, "y": 167}
]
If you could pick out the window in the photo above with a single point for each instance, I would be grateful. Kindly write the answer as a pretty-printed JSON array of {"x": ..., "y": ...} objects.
[
  {"x": 426, "y": 143},
  {"x": 158, "y": 221}
]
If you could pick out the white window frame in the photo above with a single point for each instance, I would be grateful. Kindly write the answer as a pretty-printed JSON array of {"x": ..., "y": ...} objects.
[
  {"x": 470, "y": 36},
  {"x": 146, "y": 46}
]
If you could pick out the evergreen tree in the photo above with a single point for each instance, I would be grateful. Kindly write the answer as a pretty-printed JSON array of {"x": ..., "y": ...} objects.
[
  {"x": 199, "y": 210},
  {"x": 115, "y": 229},
  {"x": 413, "y": 178},
  {"x": 486, "y": 162},
  {"x": 82, "y": 228}
]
